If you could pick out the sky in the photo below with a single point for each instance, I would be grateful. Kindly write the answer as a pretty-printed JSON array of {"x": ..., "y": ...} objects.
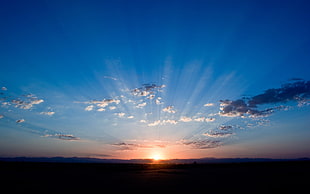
[{"x": 155, "y": 79}]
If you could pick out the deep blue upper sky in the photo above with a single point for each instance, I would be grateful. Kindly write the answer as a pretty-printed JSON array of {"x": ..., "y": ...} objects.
[{"x": 128, "y": 79}]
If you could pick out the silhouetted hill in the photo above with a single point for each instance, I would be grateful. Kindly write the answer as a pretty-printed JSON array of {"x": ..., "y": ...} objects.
[{"x": 144, "y": 161}]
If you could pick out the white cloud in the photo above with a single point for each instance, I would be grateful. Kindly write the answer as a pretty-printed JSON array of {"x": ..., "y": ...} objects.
[
  {"x": 4, "y": 88},
  {"x": 185, "y": 119},
  {"x": 155, "y": 123},
  {"x": 169, "y": 121},
  {"x": 89, "y": 108},
  {"x": 104, "y": 103},
  {"x": 37, "y": 101},
  {"x": 100, "y": 109},
  {"x": 130, "y": 117},
  {"x": 141, "y": 105},
  {"x": 143, "y": 121},
  {"x": 200, "y": 119},
  {"x": 169, "y": 109},
  {"x": 208, "y": 104},
  {"x": 163, "y": 122},
  {"x": 1, "y": 116},
  {"x": 120, "y": 115},
  {"x": 151, "y": 96},
  {"x": 112, "y": 107},
  {"x": 157, "y": 101},
  {"x": 47, "y": 113}
]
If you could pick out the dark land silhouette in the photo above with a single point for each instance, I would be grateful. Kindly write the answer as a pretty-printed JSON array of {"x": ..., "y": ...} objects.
[{"x": 273, "y": 176}]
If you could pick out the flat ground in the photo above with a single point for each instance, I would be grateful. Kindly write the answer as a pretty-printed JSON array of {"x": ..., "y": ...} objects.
[{"x": 264, "y": 177}]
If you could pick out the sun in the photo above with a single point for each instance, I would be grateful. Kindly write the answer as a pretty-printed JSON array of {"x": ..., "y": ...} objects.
[{"x": 156, "y": 157}]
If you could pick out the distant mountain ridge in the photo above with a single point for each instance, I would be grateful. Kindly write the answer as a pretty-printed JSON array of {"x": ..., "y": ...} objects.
[{"x": 144, "y": 161}]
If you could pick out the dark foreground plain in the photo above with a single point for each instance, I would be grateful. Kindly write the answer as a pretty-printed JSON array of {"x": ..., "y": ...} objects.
[{"x": 254, "y": 177}]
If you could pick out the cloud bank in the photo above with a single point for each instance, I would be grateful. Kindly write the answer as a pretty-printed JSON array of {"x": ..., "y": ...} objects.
[{"x": 298, "y": 91}]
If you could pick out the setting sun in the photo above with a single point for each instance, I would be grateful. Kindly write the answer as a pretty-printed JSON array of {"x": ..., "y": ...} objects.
[{"x": 156, "y": 157}]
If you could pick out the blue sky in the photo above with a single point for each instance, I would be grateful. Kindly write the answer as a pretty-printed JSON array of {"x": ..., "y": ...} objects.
[{"x": 134, "y": 79}]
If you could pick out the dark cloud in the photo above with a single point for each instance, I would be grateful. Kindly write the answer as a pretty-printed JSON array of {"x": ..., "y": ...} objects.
[
  {"x": 291, "y": 91},
  {"x": 147, "y": 90},
  {"x": 63, "y": 137},
  {"x": 298, "y": 91},
  {"x": 202, "y": 144},
  {"x": 67, "y": 137},
  {"x": 219, "y": 134},
  {"x": 130, "y": 146},
  {"x": 225, "y": 127},
  {"x": 20, "y": 121},
  {"x": 134, "y": 146}
]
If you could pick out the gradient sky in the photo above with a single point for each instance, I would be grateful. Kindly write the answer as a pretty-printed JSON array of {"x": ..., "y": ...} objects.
[{"x": 136, "y": 79}]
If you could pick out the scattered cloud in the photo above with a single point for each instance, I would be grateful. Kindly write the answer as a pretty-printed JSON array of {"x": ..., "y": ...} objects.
[
  {"x": 169, "y": 109},
  {"x": 130, "y": 117},
  {"x": 47, "y": 113},
  {"x": 4, "y": 88},
  {"x": 101, "y": 104},
  {"x": 26, "y": 102},
  {"x": 20, "y": 121},
  {"x": 1, "y": 116}
]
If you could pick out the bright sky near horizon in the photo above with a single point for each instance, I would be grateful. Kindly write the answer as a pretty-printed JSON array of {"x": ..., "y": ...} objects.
[{"x": 155, "y": 79}]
